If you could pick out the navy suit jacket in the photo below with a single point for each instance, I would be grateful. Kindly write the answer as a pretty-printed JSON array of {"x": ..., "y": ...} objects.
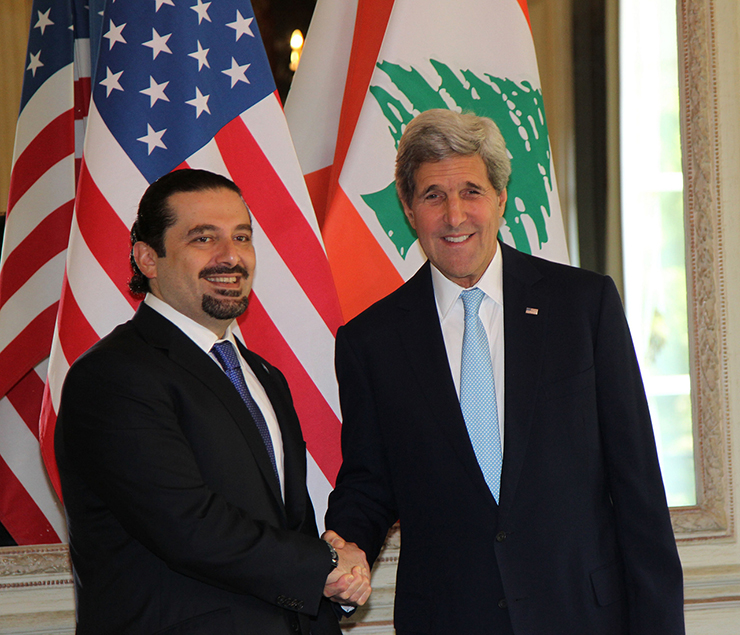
[
  {"x": 176, "y": 521},
  {"x": 581, "y": 540}
]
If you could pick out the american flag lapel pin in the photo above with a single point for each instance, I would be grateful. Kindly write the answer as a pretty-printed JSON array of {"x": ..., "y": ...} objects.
[{"x": 531, "y": 311}]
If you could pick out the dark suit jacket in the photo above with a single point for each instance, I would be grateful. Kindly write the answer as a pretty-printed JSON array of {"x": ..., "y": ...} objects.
[
  {"x": 581, "y": 543},
  {"x": 176, "y": 522}
]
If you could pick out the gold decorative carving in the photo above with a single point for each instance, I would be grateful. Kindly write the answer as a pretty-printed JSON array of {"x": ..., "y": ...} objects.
[
  {"x": 37, "y": 566},
  {"x": 712, "y": 516}
]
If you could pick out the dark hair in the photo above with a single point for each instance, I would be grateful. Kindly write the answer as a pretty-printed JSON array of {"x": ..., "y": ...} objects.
[{"x": 155, "y": 214}]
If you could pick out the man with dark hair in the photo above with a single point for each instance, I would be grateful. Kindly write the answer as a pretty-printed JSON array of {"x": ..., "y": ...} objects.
[
  {"x": 155, "y": 215},
  {"x": 181, "y": 457},
  {"x": 494, "y": 405}
]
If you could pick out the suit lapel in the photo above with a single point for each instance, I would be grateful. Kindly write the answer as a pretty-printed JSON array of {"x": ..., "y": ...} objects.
[
  {"x": 524, "y": 332},
  {"x": 424, "y": 348},
  {"x": 181, "y": 350},
  {"x": 294, "y": 451}
]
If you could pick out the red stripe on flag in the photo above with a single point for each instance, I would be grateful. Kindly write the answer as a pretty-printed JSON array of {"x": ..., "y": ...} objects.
[
  {"x": 370, "y": 25},
  {"x": 75, "y": 333},
  {"x": 46, "y": 240},
  {"x": 47, "y": 426},
  {"x": 26, "y": 398},
  {"x": 75, "y": 337},
  {"x": 27, "y": 349},
  {"x": 317, "y": 183},
  {"x": 321, "y": 428},
  {"x": 280, "y": 217},
  {"x": 525, "y": 11},
  {"x": 362, "y": 271},
  {"x": 104, "y": 233},
  {"x": 50, "y": 146},
  {"x": 82, "y": 97},
  {"x": 21, "y": 516}
]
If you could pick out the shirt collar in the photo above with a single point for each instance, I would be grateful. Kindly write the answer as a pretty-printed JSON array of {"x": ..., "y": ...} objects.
[
  {"x": 491, "y": 283},
  {"x": 203, "y": 337}
]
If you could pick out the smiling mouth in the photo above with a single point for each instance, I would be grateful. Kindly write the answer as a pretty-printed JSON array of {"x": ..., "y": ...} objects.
[
  {"x": 224, "y": 275},
  {"x": 457, "y": 239},
  {"x": 223, "y": 279}
]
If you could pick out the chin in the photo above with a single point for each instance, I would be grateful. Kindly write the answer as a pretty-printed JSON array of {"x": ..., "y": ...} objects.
[{"x": 224, "y": 309}]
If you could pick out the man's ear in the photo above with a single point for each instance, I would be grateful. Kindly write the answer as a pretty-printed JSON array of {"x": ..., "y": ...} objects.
[
  {"x": 409, "y": 214},
  {"x": 502, "y": 201},
  {"x": 146, "y": 259}
]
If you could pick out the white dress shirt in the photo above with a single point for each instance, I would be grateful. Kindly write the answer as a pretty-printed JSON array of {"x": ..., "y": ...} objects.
[
  {"x": 452, "y": 319},
  {"x": 204, "y": 338}
]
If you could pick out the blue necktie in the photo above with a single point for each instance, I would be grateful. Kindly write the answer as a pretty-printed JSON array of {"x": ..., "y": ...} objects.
[
  {"x": 227, "y": 356},
  {"x": 478, "y": 393}
]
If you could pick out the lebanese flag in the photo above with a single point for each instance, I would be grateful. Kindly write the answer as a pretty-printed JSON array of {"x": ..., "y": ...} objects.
[{"x": 368, "y": 67}]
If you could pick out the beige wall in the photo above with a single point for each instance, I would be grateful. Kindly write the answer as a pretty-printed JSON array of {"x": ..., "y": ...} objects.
[
  {"x": 14, "y": 21},
  {"x": 552, "y": 33}
]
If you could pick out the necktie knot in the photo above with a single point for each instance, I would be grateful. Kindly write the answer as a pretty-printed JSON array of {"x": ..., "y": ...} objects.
[
  {"x": 226, "y": 355},
  {"x": 472, "y": 299}
]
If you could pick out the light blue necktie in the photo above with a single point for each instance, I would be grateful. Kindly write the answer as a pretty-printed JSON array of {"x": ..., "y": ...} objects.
[
  {"x": 227, "y": 356},
  {"x": 478, "y": 393}
]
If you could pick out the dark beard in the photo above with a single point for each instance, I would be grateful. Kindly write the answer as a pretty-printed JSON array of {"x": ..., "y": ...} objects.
[{"x": 224, "y": 308}]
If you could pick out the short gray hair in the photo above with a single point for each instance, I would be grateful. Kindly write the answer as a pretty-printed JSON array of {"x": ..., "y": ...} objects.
[{"x": 439, "y": 134}]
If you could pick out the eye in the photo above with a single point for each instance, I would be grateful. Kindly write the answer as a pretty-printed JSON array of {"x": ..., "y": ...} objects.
[
  {"x": 243, "y": 238},
  {"x": 202, "y": 239}
]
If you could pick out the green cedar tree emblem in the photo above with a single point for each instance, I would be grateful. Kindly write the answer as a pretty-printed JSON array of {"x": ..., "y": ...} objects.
[{"x": 517, "y": 110}]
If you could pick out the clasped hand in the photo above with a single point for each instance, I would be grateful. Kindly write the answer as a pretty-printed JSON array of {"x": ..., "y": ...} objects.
[{"x": 349, "y": 583}]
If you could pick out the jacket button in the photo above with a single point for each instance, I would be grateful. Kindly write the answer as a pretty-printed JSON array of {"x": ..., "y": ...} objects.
[
  {"x": 500, "y": 536},
  {"x": 503, "y": 604}
]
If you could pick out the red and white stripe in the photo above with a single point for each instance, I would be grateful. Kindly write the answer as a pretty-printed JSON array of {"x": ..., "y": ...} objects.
[
  {"x": 293, "y": 313},
  {"x": 41, "y": 199},
  {"x": 341, "y": 139}
]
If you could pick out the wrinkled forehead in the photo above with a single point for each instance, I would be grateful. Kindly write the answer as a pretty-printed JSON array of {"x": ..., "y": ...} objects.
[{"x": 460, "y": 169}]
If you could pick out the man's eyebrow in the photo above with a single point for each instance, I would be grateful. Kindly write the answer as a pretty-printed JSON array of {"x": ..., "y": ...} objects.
[
  {"x": 468, "y": 184},
  {"x": 430, "y": 188},
  {"x": 200, "y": 229},
  {"x": 475, "y": 186},
  {"x": 205, "y": 227}
]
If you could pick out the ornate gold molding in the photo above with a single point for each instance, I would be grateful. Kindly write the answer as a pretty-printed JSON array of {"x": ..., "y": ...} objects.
[
  {"x": 36, "y": 566},
  {"x": 712, "y": 517}
]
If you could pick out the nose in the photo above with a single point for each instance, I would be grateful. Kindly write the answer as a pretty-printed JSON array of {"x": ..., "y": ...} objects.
[
  {"x": 227, "y": 253},
  {"x": 455, "y": 212}
]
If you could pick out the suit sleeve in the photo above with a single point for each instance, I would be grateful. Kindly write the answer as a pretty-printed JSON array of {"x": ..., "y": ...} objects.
[
  {"x": 652, "y": 568},
  {"x": 362, "y": 507},
  {"x": 119, "y": 434}
]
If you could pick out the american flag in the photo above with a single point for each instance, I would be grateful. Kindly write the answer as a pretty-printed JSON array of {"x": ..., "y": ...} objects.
[
  {"x": 48, "y": 148},
  {"x": 186, "y": 83}
]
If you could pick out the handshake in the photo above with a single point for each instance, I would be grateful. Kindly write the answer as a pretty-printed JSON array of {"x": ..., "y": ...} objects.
[{"x": 349, "y": 583}]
